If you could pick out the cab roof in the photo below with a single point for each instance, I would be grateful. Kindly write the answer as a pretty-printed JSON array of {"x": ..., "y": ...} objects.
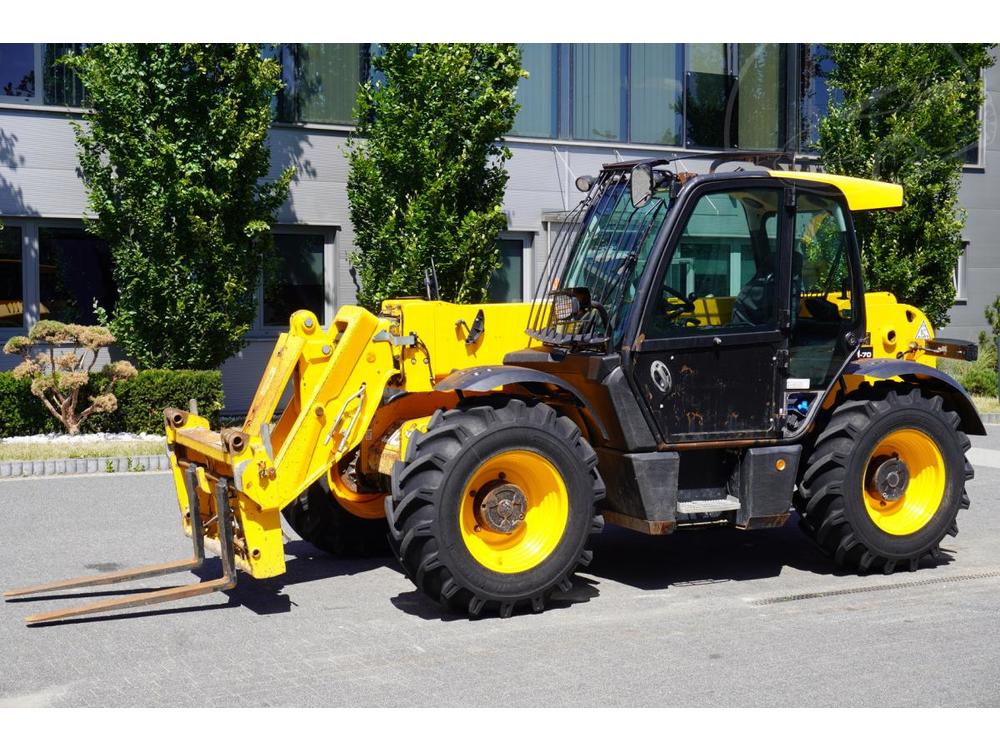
[{"x": 862, "y": 195}]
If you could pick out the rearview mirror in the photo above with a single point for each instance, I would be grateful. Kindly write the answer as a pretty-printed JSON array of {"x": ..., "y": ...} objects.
[{"x": 641, "y": 184}]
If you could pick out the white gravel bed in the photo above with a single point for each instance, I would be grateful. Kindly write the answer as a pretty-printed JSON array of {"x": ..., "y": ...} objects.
[{"x": 93, "y": 437}]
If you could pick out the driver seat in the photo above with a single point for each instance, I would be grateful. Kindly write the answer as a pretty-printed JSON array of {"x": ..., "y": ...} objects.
[{"x": 755, "y": 304}]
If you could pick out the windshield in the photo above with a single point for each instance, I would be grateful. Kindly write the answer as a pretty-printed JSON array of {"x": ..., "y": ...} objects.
[{"x": 604, "y": 252}]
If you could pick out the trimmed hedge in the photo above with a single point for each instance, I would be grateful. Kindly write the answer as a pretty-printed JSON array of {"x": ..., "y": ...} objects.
[
  {"x": 22, "y": 413},
  {"x": 980, "y": 377},
  {"x": 141, "y": 401}
]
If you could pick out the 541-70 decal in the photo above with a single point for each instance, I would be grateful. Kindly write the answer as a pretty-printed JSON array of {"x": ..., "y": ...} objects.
[{"x": 866, "y": 351}]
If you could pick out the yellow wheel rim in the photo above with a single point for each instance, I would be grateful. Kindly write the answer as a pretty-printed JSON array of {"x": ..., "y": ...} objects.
[
  {"x": 923, "y": 493},
  {"x": 361, "y": 504},
  {"x": 540, "y": 492}
]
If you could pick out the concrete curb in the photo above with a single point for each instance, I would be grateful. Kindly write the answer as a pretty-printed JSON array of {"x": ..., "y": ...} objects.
[
  {"x": 102, "y": 465},
  {"x": 138, "y": 464}
]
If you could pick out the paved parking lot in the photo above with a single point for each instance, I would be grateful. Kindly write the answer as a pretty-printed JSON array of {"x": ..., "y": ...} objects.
[{"x": 695, "y": 619}]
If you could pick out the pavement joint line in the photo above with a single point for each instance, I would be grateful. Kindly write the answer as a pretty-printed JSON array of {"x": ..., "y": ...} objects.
[
  {"x": 995, "y": 573},
  {"x": 87, "y": 475}
]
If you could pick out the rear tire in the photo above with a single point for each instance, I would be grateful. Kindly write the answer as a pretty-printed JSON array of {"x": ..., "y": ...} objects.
[
  {"x": 841, "y": 498},
  {"x": 319, "y": 519},
  {"x": 442, "y": 533}
]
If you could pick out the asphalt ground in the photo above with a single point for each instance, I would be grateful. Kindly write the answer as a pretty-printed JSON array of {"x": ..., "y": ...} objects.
[{"x": 711, "y": 618}]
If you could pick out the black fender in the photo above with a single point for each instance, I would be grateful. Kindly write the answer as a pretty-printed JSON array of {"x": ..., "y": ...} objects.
[
  {"x": 485, "y": 379},
  {"x": 929, "y": 378}
]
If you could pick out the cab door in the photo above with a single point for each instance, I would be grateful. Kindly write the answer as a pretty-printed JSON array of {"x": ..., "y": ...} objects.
[{"x": 712, "y": 343}]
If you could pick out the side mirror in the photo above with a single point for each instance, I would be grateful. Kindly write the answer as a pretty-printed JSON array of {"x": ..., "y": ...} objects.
[{"x": 641, "y": 184}]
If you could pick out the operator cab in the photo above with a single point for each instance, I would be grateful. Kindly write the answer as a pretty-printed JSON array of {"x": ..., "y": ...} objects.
[{"x": 731, "y": 301}]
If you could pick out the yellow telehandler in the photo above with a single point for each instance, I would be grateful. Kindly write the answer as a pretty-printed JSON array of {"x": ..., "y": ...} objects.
[{"x": 700, "y": 352}]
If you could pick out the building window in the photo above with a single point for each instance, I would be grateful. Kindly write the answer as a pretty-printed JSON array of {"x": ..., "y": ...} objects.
[
  {"x": 74, "y": 275},
  {"x": 11, "y": 278},
  {"x": 17, "y": 72},
  {"x": 663, "y": 94},
  {"x": 295, "y": 279},
  {"x": 598, "y": 89},
  {"x": 709, "y": 102},
  {"x": 972, "y": 154},
  {"x": 507, "y": 284},
  {"x": 761, "y": 89},
  {"x": 720, "y": 77},
  {"x": 815, "y": 97},
  {"x": 62, "y": 87},
  {"x": 656, "y": 93},
  {"x": 321, "y": 81},
  {"x": 536, "y": 94},
  {"x": 959, "y": 278},
  {"x": 29, "y": 74}
]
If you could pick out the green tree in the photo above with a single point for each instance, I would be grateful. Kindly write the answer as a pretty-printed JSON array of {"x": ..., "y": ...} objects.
[
  {"x": 174, "y": 157},
  {"x": 427, "y": 172},
  {"x": 908, "y": 113}
]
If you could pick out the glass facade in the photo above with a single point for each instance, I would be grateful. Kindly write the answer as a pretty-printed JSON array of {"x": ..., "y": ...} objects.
[
  {"x": 507, "y": 284},
  {"x": 699, "y": 96},
  {"x": 658, "y": 94},
  {"x": 761, "y": 96},
  {"x": 17, "y": 71},
  {"x": 74, "y": 274},
  {"x": 11, "y": 278},
  {"x": 321, "y": 81},
  {"x": 61, "y": 85},
  {"x": 296, "y": 280},
  {"x": 814, "y": 95},
  {"x": 598, "y": 83},
  {"x": 537, "y": 93}
]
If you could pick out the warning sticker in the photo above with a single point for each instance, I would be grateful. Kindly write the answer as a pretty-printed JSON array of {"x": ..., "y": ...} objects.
[{"x": 922, "y": 332}]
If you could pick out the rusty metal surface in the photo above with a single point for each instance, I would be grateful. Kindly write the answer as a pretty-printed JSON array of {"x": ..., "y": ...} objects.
[
  {"x": 225, "y": 545},
  {"x": 132, "y": 574},
  {"x": 136, "y": 600},
  {"x": 653, "y": 528},
  {"x": 765, "y": 522}
]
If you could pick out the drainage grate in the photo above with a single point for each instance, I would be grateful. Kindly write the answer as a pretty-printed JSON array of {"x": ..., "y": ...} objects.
[{"x": 884, "y": 587}]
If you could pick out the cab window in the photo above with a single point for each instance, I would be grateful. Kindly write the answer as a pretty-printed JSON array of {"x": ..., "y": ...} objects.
[
  {"x": 822, "y": 303},
  {"x": 724, "y": 271}
]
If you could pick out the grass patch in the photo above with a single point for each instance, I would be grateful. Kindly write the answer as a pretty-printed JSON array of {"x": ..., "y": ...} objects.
[
  {"x": 987, "y": 404},
  {"x": 96, "y": 449}
]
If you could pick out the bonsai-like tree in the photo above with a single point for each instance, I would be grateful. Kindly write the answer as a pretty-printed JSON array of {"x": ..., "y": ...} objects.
[{"x": 59, "y": 370}]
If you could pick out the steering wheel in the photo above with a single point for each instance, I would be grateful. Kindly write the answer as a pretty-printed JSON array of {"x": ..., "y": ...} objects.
[{"x": 673, "y": 309}]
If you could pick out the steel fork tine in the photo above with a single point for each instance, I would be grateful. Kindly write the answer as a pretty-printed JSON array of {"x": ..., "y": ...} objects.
[
  {"x": 227, "y": 581},
  {"x": 143, "y": 571}
]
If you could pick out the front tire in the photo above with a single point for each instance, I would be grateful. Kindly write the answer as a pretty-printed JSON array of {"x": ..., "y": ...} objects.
[
  {"x": 493, "y": 506},
  {"x": 886, "y": 479},
  {"x": 319, "y": 518}
]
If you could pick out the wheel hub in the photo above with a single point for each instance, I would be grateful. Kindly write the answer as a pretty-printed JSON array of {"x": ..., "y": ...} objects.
[
  {"x": 500, "y": 506},
  {"x": 890, "y": 478}
]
